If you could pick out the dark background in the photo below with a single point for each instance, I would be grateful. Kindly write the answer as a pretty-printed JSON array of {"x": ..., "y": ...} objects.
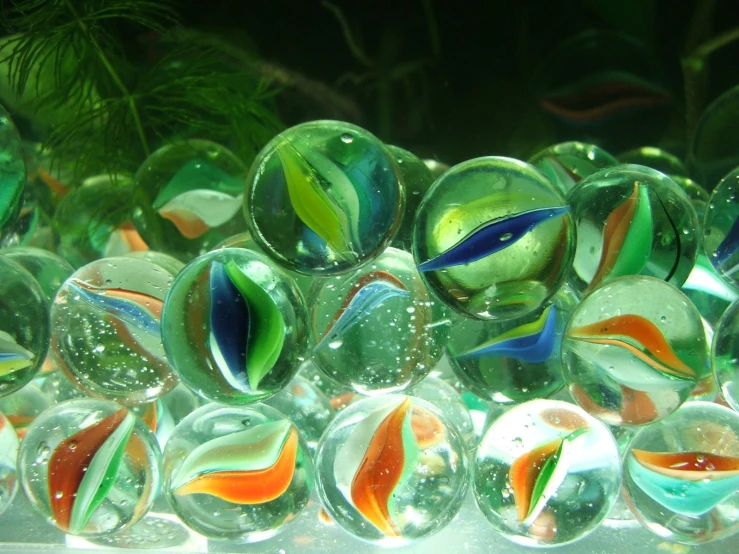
[{"x": 455, "y": 79}]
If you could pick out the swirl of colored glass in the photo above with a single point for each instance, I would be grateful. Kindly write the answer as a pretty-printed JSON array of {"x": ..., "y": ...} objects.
[
  {"x": 237, "y": 473},
  {"x": 24, "y": 326},
  {"x": 187, "y": 197},
  {"x": 681, "y": 475},
  {"x": 94, "y": 221},
  {"x": 721, "y": 228},
  {"x": 323, "y": 197},
  {"x": 631, "y": 220},
  {"x": 106, "y": 330},
  {"x": 378, "y": 329},
  {"x": 9, "y": 445},
  {"x": 546, "y": 473},
  {"x": 234, "y": 326},
  {"x": 634, "y": 351},
  {"x": 90, "y": 467},
  {"x": 567, "y": 163},
  {"x": 13, "y": 174},
  {"x": 391, "y": 470},
  {"x": 493, "y": 238},
  {"x": 516, "y": 360}
]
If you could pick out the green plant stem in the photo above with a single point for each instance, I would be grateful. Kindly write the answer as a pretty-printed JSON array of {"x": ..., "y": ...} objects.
[{"x": 116, "y": 78}]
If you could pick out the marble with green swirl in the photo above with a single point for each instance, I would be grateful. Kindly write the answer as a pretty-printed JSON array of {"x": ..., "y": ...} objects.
[
  {"x": 234, "y": 326},
  {"x": 324, "y": 197}
]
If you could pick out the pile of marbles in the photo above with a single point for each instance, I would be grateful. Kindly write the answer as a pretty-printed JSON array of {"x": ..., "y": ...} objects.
[{"x": 239, "y": 338}]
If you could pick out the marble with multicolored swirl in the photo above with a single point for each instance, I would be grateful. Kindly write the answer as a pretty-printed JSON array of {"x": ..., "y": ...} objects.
[
  {"x": 512, "y": 361},
  {"x": 378, "y": 329},
  {"x": 234, "y": 326},
  {"x": 24, "y": 326},
  {"x": 681, "y": 474},
  {"x": 631, "y": 220},
  {"x": 493, "y": 238},
  {"x": 238, "y": 473},
  {"x": 721, "y": 228},
  {"x": 567, "y": 163},
  {"x": 391, "y": 470},
  {"x": 546, "y": 473},
  {"x": 106, "y": 332},
  {"x": 8, "y": 459},
  {"x": 634, "y": 350},
  {"x": 188, "y": 196},
  {"x": 323, "y": 197},
  {"x": 90, "y": 467}
]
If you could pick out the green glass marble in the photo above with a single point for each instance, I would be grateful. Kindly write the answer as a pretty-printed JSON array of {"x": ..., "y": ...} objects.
[
  {"x": 49, "y": 270},
  {"x": 493, "y": 238},
  {"x": 656, "y": 158},
  {"x": 567, "y": 163},
  {"x": 417, "y": 178},
  {"x": 377, "y": 329},
  {"x": 724, "y": 354},
  {"x": 681, "y": 475},
  {"x": 436, "y": 167},
  {"x": 234, "y": 326},
  {"x": 188, "y": 197},
  {"x": 546, "y": 473},
  {"x": 324, "y": 197},
  {"x": 634, "y": 350},
  {"x": 714, "y": 148},
  {"x": 24, "y": 326},
  {"x": 631, "y": 220},
  {"x": 13, "y": 175},
  {"x": 516, "y": 360},
  {"x": 94, "y": 221},
  {"x": 698, "y": 195},
  {"x": 106, "y": 330},
  {"x": 90, "y": 467},
  {"x": 240, "y": 473}
]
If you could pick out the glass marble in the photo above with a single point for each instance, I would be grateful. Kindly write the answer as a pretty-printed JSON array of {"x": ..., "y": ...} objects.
[
  {"x": 724, "y": 355},
  {"x": 234, "y": 326},
  {"x": 324, "y": 197},
  {"x": 392, "y": 470},
  {"x": 656, "y": 158},
  {"x": 163, "y": 414},
  {"x": 699, "y": 196},
  {"x": 106, "y": 330},
  {"x": 417, "y": 178},
  {"x": 307, "y": 407},
  {"x": 24, "y": 326},
  {"x": 634, "y": 351},
  {"x": 515, "y": 360},
  {"x": 378, "y": 329},
  {"x": 188, "y": 197},
  {"x": 714, "y": 148},
  {"x": 22, "y": 231},
  {"x": 606, "y": 86},
  {"x": 493, "y": 238},
  {"x": 8, "y": 454},
  {"x": 238, "y": 473},
  {"x": 94, "y": 221},
  {"x": 546, "y": 473},
  {"x": 23, "y": 406},
  {"x": 13, "y": 175},
  {"x": 681, "y": 475},
  {"x": 58, "y": 388},
  {"x": 90, "y": 467},
  {"x": 631, "y": 220},
  {"x": 567, "y": 163},
  {"x": 721, "y": 228},
  {"x": 49, "y": 270},
  {"x": 449, "y": 401}
]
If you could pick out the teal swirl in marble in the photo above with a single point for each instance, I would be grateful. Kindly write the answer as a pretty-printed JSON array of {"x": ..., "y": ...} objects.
[{"x": 13, "y": 356}]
